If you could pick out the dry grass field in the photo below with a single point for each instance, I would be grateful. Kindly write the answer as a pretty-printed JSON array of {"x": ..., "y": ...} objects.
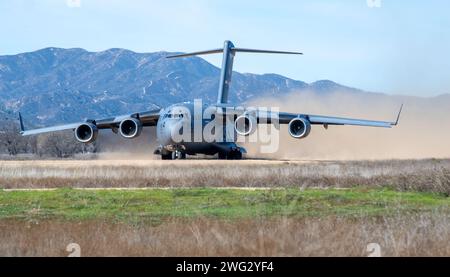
[
  {"x": 402, "y": 235},
  {"x": 403, "y": 205},
  {"x": 431, "y": 175}
]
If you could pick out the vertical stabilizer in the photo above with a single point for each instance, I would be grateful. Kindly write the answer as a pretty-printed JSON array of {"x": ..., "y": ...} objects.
[
  {"x": 227, "y": 64},
  {"x": 226, "y": 72}
]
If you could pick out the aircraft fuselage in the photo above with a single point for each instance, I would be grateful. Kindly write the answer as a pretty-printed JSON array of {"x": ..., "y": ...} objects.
[{"x": 189, "y": 128}]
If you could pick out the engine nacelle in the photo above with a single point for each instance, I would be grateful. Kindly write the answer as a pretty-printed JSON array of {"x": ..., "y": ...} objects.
[
  {"x": 245, "y": 125},
  {"x": 299, "y": 128},
  {"x": 86, "y": 133},
  {"x": 130, "y": 128}
]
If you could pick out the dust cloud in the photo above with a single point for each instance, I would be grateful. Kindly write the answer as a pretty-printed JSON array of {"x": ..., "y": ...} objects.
[
  {"x": 115, "y": 147},
  {"x": 423, "y": 131}
]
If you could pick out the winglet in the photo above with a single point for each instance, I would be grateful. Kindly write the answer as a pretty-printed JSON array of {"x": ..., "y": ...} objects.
[
  {"x": 398, "y": 116},
  {"x": 22, "y": 129}
]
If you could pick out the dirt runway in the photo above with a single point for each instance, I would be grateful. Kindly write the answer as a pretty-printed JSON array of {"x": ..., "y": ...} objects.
[{"x": 423, "y": 175}]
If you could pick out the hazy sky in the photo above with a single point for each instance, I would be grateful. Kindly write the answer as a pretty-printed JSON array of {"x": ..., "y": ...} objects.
[{"x": 398, "y": 47}]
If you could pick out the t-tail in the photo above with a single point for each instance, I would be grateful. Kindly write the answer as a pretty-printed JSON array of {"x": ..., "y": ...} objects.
[{"x": 229, "y": 51}]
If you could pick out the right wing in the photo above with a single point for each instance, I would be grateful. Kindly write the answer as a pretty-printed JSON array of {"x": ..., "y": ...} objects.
[{"x": 148, "y": 118}]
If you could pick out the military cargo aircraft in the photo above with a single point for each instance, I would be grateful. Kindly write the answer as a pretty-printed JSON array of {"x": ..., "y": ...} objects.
[{"x": 180, "y": 128}]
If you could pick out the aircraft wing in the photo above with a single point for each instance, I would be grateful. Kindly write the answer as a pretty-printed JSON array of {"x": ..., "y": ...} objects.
[
  {"x": 148, "y": 118},
  {"x": 285, "y": 118},
  {"x": 264, "y": 116}
]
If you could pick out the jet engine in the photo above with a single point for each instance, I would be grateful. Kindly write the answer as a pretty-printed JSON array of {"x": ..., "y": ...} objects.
[
  {"x": 245, "y": 125},
  {"x": 130, "y": 128},
  {"x": 86, "y": 133},
  {"x": 299, "y": 128}
]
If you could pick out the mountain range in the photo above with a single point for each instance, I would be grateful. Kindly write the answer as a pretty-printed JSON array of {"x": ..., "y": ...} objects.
[{"x": 55, "y": 85}]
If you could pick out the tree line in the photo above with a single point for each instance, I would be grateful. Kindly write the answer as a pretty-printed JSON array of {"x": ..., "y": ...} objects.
[{"x": 60, "y": 144}]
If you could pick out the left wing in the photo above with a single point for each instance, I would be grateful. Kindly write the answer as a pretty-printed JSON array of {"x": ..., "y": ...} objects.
[
  {"x": 148, "y": 118},
  {"x": 285, "y": 118}
]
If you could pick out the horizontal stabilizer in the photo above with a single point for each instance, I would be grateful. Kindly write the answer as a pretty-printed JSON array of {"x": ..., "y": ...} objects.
[
  {"x": 234, "y": 50},
  {"x": 245, "y": 50},
  {"x": 206, "y": 52}
]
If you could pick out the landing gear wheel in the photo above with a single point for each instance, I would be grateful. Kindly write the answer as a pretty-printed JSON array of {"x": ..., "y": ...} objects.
[
  {"x": 238, "y": 155},
  {"x": 222, "y": 155},
  {"x": 235, "y": 155},
  {"x": 166, "y": 156}
]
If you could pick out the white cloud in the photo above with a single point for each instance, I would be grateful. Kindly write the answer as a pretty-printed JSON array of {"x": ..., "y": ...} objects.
[
  {"x": 73, "y": 3},
  {"x": 374, "y": 3}
]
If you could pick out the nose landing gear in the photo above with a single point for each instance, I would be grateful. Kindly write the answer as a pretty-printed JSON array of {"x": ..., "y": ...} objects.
[
  {"x": 175, "y": 155},
  {"x": 171, "y": 153},
  {"x": 178, "y": 155}
]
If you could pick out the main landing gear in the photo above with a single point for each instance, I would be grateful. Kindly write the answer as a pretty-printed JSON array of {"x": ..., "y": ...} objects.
[{"x": 232, "y": 155}]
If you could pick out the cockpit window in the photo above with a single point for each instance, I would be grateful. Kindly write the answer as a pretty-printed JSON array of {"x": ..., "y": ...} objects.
[{"x": 175, "y": 115}]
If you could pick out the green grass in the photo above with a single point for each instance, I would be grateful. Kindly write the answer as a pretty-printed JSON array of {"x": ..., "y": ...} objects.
[{"x": 158, "y": 204}]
